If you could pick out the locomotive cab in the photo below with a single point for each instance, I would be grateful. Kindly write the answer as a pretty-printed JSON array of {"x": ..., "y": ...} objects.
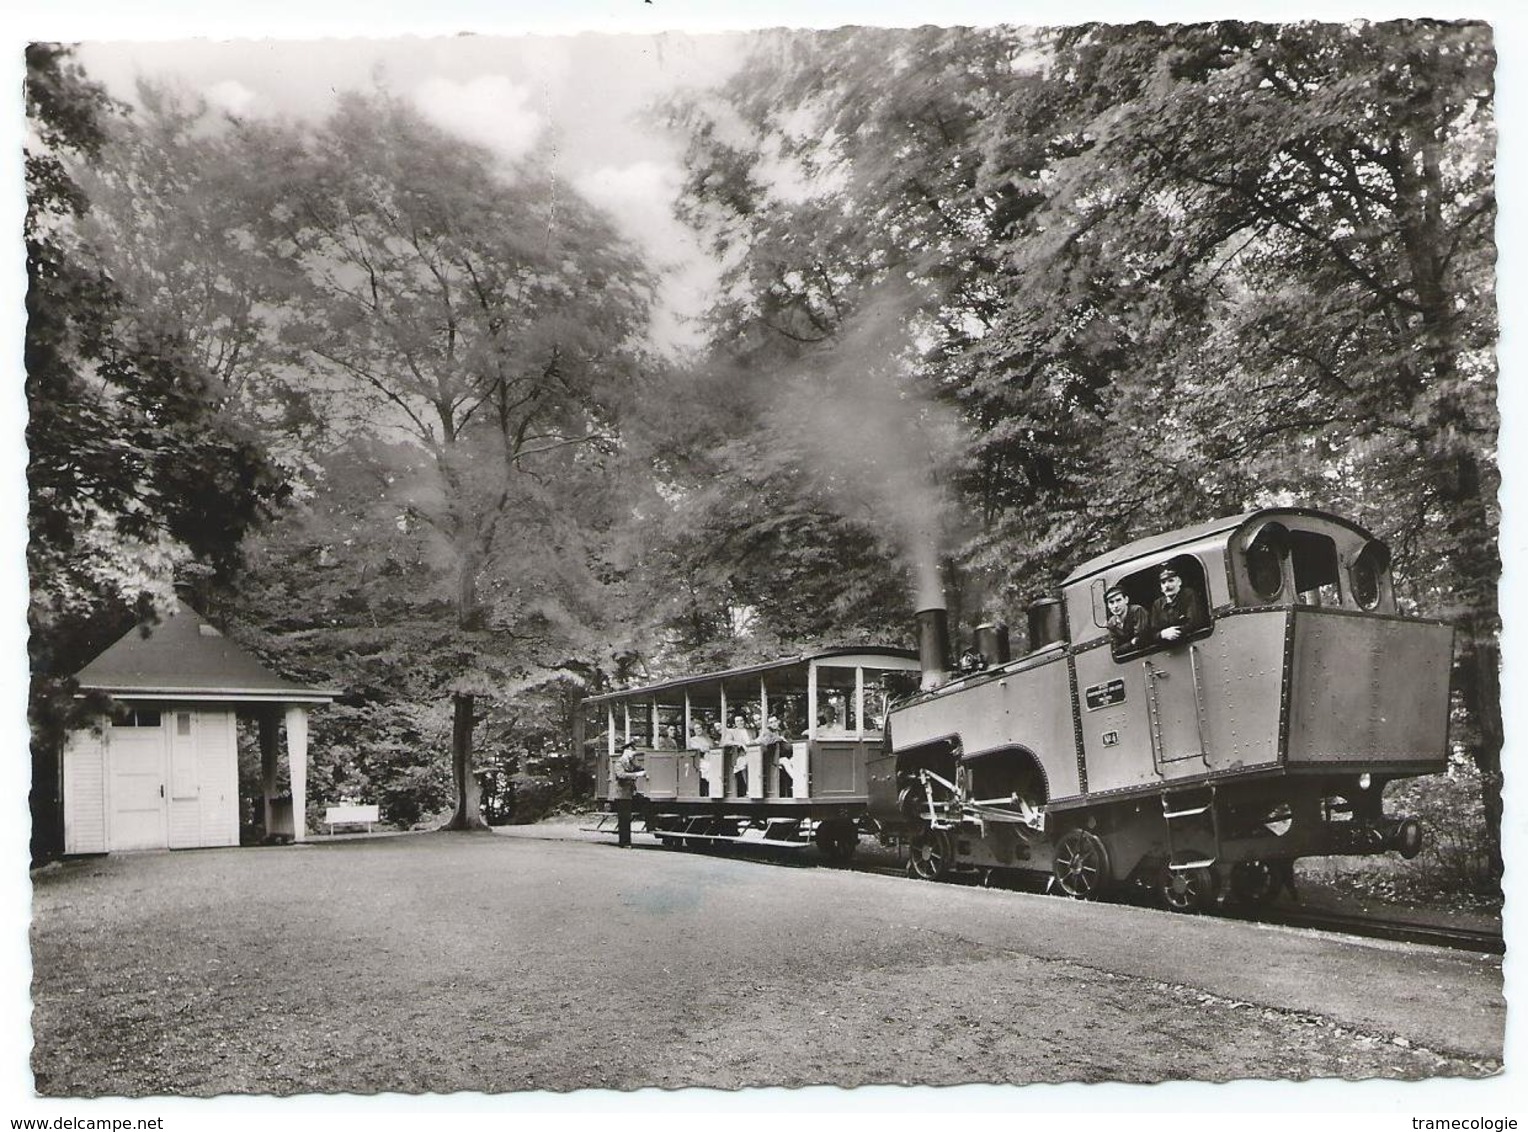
[{"x": 1264, "y": 692}]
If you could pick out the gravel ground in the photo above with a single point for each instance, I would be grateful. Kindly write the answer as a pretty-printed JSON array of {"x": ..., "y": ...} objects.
[{"x": 540, "y": 960}]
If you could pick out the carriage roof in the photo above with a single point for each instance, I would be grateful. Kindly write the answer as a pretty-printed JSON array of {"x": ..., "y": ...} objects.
[{"x": 759, "y": 669}]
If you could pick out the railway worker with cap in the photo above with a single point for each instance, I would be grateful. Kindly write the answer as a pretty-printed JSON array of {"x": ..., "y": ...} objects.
[
  {"x": 625, "y": 772},
  {"x": 1128, "y": 623},
  {"x": 1179, "y": 611}
]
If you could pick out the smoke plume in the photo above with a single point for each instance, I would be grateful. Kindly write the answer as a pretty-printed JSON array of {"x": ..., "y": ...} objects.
[{"x": 872, "y": 438}]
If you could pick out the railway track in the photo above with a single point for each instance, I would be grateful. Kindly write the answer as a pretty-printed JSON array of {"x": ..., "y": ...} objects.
[{"x": 1484, "y": 941}]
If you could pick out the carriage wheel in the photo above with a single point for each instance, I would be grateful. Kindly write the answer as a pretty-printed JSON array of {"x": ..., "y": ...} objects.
[
  {"x": 837, "y": 838},
  {"x": 1081, "y": 864},
  {"x": 930, "y": 854},
  {"x": 1188, "y": 890},
  {"x": 1255, "y": 883}
]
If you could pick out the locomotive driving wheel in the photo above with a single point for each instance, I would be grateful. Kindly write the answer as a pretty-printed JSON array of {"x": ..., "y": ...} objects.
[
  {"x": 1081, "y": 864},
  {"x": 1255, "y": 883},
  {"x": 837, "y": 838},
  {"x": 930, "y": 854},
  {"x": 1188, "y": 890}
]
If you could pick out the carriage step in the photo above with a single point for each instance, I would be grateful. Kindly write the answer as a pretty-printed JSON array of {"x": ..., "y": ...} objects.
[{"x": 1170, "y": 814}]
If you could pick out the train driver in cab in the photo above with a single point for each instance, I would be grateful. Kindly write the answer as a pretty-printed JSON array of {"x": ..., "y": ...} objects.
[
  {"x": 1129, "y": 626},
  {"x": 1179, "y": 612}
]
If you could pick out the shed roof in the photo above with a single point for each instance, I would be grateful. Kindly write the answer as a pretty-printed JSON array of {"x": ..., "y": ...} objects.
[{"x": 184, "y": 657}]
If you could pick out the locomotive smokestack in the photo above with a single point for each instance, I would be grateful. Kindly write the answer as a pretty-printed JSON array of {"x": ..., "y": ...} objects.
[
  {"x": 933, "y": 646},
  {"x": 992, "y": 642}
]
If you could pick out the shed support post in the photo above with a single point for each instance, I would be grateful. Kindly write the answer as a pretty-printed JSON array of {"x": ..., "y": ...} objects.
[
  {"x": 269, "y": 748},
  {"x": 297, "y": 763}
]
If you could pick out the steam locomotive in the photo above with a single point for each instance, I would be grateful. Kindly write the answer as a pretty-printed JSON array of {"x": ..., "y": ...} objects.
[{"x": 1203, "y": 766}]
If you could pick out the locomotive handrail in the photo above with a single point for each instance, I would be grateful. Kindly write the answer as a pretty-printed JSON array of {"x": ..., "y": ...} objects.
[
  {"x": 1193, "y": 667},
  {"x": 1154, "y": 731}
]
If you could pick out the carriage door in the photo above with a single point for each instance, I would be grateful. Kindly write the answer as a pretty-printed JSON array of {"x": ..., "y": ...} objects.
[{"x": 136, "y": 752}]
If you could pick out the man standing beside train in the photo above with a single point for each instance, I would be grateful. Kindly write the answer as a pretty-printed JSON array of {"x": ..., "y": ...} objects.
[{"x": 625, "y": 772}]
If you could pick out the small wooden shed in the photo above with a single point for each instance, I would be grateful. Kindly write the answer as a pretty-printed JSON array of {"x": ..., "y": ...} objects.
[{"x": 162, "y": 770}]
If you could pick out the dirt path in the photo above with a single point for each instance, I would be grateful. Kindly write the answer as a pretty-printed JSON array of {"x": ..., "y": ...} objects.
[{"x": 495, "y": 963}]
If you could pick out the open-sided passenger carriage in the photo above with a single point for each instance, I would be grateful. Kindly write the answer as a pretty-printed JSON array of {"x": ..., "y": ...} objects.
[{"x": 830, "y": 705}]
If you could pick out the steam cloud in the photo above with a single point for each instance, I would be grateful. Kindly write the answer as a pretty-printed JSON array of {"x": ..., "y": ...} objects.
[{"x": 872, "y": 440}]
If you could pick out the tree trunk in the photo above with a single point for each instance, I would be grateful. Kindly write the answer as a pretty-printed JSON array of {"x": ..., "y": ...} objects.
[
  {"x": 1483, "y": 695},
  {"x": 469, "y": 814}
]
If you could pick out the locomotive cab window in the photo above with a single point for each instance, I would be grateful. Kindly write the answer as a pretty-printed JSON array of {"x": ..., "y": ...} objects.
[
  {"x": 1160, "y": 607},
  {"x": 1369, "y": 576},
  {"x": 1314, "y": 560}
]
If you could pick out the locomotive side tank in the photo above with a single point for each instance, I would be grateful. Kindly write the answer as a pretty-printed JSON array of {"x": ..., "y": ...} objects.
[{"x": 1204, "y": 764}]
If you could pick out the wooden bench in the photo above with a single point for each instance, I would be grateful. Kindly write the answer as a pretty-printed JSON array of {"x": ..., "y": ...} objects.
[{"x": 351, "y": 815}]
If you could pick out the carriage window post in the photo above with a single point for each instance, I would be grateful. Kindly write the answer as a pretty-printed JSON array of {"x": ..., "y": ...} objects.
[
  {"x": 686, "y": 735},
  {"x": 811, "y": 700},
  {"x": 610, "y": 729},
  {"x": 626, "y": 715},
  {"x": 859, "y": 700},
  {"x": 763, "y": 703}
]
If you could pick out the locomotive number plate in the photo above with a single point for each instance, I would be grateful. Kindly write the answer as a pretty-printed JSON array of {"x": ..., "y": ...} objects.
[{"x": 1105, "y": 695}]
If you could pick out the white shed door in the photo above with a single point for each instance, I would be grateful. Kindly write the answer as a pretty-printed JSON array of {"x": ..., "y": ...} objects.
[{"x": 137, "y": 757}]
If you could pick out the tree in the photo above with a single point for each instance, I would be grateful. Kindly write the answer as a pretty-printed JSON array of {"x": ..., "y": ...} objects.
[
  {"x": 846, "y": 251},
  {"x": 490, "y": 323},
  {"x": 1166, "y": 272},
  {"x": 172, "y": 216},
  {"x": 132, "y": 469},
  {"x": 1290, "y": 226}
]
